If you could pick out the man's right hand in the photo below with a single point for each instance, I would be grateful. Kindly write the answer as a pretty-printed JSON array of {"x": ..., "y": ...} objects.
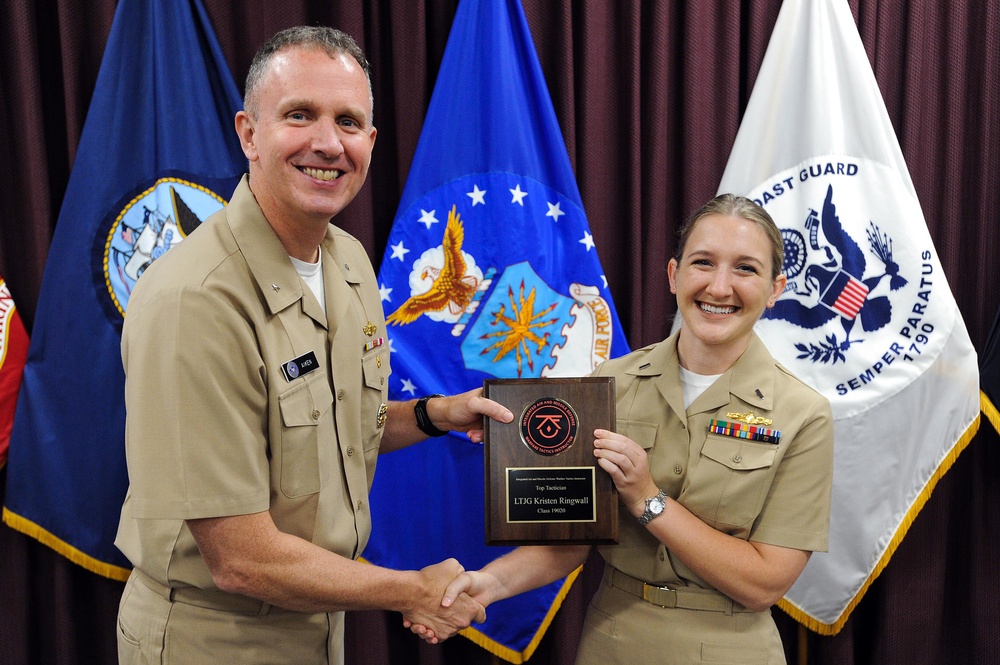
[
  {"x": 468, "y": 584},
  {"x": 439, "y": 622}
]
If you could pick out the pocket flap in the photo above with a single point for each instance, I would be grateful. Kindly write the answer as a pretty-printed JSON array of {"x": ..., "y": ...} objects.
[
  {"x": 375, "y": 375},
  {"x": 643, "y": 433},
  {"x": 306, "y": 402},
  {"x": 738, "y": 454}
]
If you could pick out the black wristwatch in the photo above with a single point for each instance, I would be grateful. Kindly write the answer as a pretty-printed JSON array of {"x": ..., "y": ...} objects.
[{"x": 423, "y": 420}]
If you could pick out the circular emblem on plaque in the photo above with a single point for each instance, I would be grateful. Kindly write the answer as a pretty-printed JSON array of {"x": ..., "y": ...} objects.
[
  {"x": 293, "y": 369},
  {"x": 548, "y": 426}
]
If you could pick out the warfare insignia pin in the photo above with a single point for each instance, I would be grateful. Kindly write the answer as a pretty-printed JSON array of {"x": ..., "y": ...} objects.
[{"x": 749, "y": 418}]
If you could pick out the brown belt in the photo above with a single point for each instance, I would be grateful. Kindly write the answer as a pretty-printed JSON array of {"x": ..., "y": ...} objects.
[
  {"x": 681, "y": 597},
  {"x": 208, "y": 599}
]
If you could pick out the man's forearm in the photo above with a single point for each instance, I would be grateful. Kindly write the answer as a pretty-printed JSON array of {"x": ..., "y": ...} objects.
[{"x": 400, "y": 427}]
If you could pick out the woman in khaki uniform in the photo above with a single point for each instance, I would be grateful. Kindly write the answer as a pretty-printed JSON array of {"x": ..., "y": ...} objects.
[{"x": 723, "y": 462}]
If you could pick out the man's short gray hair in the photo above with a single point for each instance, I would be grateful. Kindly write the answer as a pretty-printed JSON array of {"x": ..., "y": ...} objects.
[{"x": 332, "y": 41}]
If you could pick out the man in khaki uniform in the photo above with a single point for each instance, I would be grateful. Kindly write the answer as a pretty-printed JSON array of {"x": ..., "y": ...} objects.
[{"x": 257, "y": 397}]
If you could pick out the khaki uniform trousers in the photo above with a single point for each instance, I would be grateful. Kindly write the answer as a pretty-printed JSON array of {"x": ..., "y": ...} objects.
[
  {"x": 697, "y": 626},
  {"x": 166, "y": 626}
]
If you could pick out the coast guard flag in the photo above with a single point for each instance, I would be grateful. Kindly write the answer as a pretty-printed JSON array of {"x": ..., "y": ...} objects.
[
  {"x": 157, "y": 155},
  {"x": 867, "y": 317},
  {"x": 490, "y": 271},
  {"x": 13, "y": 352}
]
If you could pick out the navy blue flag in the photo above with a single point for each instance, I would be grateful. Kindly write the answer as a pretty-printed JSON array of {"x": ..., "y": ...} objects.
[
  {"x": 157, "y": 155},
  {"x": 490, "y": 272},
  {"x": 989, "y": 376}
]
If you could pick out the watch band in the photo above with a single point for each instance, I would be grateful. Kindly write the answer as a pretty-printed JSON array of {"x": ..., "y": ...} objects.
[
  {"x": 423, "y": 420},
  {"x": 654, "y": 508}
]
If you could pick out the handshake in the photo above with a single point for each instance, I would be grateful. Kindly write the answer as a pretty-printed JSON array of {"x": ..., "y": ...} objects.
[{"x": 453, "y": 600}]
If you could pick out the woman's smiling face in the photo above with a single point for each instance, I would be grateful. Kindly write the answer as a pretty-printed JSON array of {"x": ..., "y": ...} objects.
[{"x": 723, "y": 282}]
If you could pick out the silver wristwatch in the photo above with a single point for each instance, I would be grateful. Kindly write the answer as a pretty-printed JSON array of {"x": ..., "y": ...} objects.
[{"x": 654, "y": 507}]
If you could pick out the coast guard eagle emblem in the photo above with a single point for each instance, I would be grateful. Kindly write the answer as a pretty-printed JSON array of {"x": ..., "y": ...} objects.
[
  {"x": 831, "y": 278},
  {"x": 866, "y": 307}
]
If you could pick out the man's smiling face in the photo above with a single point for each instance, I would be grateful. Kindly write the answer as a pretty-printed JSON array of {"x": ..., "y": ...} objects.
[{"x": 311, "y": 145}]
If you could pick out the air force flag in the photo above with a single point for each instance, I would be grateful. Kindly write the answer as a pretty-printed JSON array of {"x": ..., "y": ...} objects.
[{"x": 490, "y": 271}]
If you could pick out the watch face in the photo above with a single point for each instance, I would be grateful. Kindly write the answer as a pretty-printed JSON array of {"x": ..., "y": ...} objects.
[{"x": 656, "y": 506}]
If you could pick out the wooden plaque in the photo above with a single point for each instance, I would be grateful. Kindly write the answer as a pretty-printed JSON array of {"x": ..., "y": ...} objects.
[{"x": 543, "y": 483}]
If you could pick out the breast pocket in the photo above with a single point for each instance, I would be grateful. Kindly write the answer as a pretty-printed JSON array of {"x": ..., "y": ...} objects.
[
  {"x": 376, "y": 371},
  {"x": 642, "y": 433},
  {"x": 728, "y": 486},
  {"x": 306, "y": 435}
]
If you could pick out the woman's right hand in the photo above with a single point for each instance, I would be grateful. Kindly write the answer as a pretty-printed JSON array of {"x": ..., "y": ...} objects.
[{"x": 628, "y": 465}]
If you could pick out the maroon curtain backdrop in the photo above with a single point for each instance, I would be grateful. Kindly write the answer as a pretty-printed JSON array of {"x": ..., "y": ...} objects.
[{"x": 649, "y": 95}]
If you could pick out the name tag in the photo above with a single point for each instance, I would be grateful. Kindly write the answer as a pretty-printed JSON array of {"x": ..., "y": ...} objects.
[{"x": 300, "y": 366}]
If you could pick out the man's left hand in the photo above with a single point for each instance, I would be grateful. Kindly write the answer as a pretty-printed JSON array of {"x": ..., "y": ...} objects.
[{"x": 465, "y": 412}]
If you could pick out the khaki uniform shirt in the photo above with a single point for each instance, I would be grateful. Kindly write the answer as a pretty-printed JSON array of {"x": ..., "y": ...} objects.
[
  {"x": 215, "y": 428},
  {"x": 777, "y": 493},
  {"x": 769, "y": 493}
]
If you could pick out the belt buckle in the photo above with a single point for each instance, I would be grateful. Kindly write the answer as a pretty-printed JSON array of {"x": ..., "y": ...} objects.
[{"x": 655, "y": 594}]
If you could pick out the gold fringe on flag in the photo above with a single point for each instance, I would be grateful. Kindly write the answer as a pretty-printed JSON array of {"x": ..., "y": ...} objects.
[
  {"x": 515, "y": 657},
  {"x": 990, "y": 411},
  {"x": 911, "y": 515},
  {"x": 46, "y": 538}
]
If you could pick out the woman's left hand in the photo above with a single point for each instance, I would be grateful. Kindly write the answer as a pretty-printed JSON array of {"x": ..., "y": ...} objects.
[{"x": 628, "y": 465}]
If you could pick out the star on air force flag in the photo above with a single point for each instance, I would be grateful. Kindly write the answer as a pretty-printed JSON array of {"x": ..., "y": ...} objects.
[
  {"x": 490, "y": 272},
  {"x": 867, "y": 316}
]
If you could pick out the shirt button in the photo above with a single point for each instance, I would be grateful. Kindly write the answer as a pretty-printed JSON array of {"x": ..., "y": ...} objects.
[
  {"x": 350, "y": 451},
  {"x": 359, "y": 504},
  {"x": 340, "y": 394},
  {"x": 684, "y": 426},
  {"x": 737, "y": 458},
  {"x": 381, "y": 380},
  {"x": 678, "y": 469},
  {"x": 315, "y": 414},
  {"x": 378, "y": 361},
  {"x": 661, "y": 555}
]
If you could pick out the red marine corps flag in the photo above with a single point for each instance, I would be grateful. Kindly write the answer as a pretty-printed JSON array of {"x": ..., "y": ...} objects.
[
  {"x": 867, "y": 317},
  {"x": 13, "y": 353}
]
